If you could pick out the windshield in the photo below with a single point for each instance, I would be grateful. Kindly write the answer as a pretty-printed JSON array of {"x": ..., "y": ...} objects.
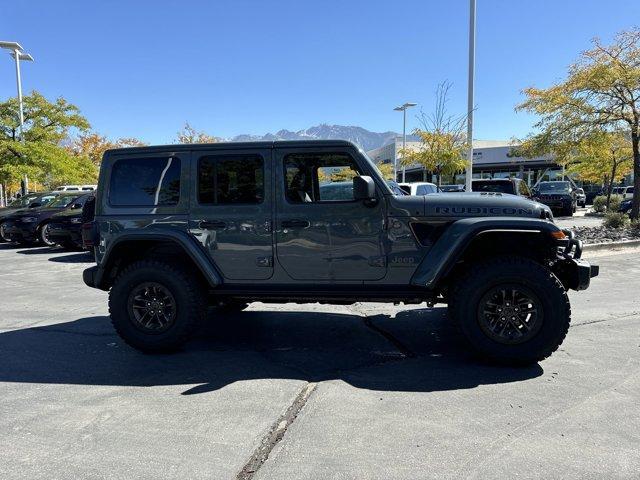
[
  {"x": 397, "y": 189},
  {"x": 487, "y": 186},
  {"x": 553, "y": 187},
  {"x": 63, "y": 201},
  {"x": 23, "y": 201}
]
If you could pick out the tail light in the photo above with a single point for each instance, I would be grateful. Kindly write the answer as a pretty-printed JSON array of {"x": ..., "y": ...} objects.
[{"x": 89, "y": 235}]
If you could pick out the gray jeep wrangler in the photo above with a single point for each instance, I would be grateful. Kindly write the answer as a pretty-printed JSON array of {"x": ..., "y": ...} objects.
[{"x": 182, "y": 228}]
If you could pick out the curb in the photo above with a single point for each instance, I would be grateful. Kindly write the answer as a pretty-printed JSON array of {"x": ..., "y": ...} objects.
[{"x": 594, "y": 247}]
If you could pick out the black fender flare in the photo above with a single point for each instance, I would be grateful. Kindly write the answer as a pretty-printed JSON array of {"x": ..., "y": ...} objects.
[
  {"x": 453, "y": 242},
  {"x": 190, "y": 246}
]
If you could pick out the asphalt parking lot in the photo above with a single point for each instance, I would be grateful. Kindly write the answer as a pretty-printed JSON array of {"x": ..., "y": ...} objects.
[{"x": 367, "y": 391}]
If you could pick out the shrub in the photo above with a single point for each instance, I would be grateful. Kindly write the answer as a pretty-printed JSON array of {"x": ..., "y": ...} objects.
[
  {"x": 616, "y": 220},
  {"x": 600, "y": 202}
]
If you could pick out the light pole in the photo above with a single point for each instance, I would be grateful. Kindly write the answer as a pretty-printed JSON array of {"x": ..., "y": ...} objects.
[
  {"x": 402, "y": 108},
  {"x": 18, "y": 55},
  {"x": 472, "y": 58}
]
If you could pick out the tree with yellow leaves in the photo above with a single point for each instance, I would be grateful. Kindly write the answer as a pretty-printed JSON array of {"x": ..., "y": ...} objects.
[
  {"x": 443, "y": 142},
  {"x": 601, "y": 92}
]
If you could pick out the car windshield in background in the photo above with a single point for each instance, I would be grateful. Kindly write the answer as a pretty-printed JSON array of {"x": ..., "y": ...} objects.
[
  {"x": 23, "y": 202},
  {"x": 451, "y": 188},
  {"x": 554, "y": 187},
  {"x": 499, "y": 187},
  {"x": 63, "y": 201}
]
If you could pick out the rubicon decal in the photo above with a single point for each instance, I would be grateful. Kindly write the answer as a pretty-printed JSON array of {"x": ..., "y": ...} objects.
[{"x": 484, "y": 211}]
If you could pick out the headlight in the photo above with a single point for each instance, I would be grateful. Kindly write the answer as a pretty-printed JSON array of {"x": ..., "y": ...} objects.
[
  {"x": 29, "y": 219},
  {"x": 76, "y": 220}
]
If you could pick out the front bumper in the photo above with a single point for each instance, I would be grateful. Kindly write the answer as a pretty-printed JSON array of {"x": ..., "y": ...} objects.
[
  {"x": 574, "y": 272},
  {"x": 17, "y": 231},
  {"x": 63, "y": 232}
]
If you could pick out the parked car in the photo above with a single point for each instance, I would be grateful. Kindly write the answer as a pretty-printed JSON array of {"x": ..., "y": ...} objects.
[
  {"x": 65, "y": 227},
  {"x": 581, "y": 197},
  {"x": 592, "y": 191},
  {"x": 76, "y": 188},
  {"x": 419, "y": 188},
  {"x": 559, "y": 195},
  {"x": 452, "y": 188},
  {"x": 31, "y": 226},
  {"x": 31, "y": 200},
  {"x": 627, "y": 192},
  {"x": 513, "y": 186},
  {"x": 184, "y": 227},
  {"x": 625, "y": 206}
]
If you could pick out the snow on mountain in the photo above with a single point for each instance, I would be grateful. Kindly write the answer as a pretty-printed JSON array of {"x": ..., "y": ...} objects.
[{"x": 358, "y": 135}]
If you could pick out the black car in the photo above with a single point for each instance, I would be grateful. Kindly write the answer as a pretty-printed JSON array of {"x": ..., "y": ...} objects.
[
  {"x": 32, "y": 225},
  {"x": 31, "y": 200},
  {"x": 559, "y": 196},
  {"x": 65, "y": 228},
  {"x": 514, "y": 186}
]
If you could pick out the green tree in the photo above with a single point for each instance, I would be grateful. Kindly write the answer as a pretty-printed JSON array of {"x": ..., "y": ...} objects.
[
  {"x": 443, "y": 142},
  {"x": 188, "y": 134},
  {"x": 601, "y": 92},
  {"x": 42, "y": 155},
  {"x": 603, "y": 156}
]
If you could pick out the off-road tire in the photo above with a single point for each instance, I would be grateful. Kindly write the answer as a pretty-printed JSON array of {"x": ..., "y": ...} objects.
[
  {"x": 189, "y": 298},
  {"x": 481, "y": 277}
]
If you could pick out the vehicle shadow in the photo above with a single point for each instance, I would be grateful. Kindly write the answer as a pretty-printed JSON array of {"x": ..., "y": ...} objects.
[
  {"x": 38, "y": 250},
  {"x": 10, "y": 246},
  {"x": 309, "y": 346},
  {"x": 78, "y": 257}
]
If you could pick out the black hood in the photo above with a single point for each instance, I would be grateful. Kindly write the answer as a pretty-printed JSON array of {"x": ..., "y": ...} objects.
[{"x": 468, "y": 204}]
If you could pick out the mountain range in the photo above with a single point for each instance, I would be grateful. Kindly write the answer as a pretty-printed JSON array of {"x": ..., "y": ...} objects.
[{"x": 366, "y": 139}]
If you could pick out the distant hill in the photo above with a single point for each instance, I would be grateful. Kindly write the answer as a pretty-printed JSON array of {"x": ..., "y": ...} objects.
[{"x": 364, "y": 138}]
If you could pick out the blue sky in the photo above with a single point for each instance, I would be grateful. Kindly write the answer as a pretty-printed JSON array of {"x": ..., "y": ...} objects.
[{"x": 142, "y": 68}]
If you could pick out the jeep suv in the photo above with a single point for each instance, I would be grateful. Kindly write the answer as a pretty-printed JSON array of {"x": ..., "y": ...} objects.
[
  {"x": 180, "y": 228},
  {"x": 559, "y": 195}
]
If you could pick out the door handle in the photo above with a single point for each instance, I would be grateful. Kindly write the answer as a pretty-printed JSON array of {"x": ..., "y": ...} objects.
[
  {"x": 212, "y": 225},
  {"x": 295, "y": 223}
]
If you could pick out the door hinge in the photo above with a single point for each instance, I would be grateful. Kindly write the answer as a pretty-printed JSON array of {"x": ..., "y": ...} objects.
[
  {"x": 264, "y": 261},
  {"x": 379, "y": 261}
]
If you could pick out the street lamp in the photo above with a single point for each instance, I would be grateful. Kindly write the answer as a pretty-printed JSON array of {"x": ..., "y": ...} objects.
[
  {"x": 470, "y": 85},
  {"x": 18, "y": 54},
  {"x": 402, "y": 108}
]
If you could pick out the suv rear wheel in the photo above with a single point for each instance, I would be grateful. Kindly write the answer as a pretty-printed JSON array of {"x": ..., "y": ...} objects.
[
  {"x": 511, "y": 309},
  {"x": 156, "y": 307}
]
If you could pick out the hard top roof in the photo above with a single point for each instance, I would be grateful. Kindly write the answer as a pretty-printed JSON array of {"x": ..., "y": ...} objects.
[{"x": 233, "y": 145}]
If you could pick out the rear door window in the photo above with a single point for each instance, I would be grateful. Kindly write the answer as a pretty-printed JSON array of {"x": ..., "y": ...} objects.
[
  {"x": 230, "y": 179},
  {"x": 145, "y": 182}
]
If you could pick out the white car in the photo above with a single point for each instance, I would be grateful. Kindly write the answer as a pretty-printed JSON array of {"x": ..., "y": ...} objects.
[
  {"x": 419, "y": 188},
  {"x": 76, "y": 188},
  {"x": 626, "y": 192}
]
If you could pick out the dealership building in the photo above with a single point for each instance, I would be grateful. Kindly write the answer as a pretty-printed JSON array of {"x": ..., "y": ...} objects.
[{"x": 491, "y": 159}]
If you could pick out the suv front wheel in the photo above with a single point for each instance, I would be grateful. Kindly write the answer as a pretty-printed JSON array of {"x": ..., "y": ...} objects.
[
  {"x": 511, "y": 309},
  {"x": 156, "y": 307}
]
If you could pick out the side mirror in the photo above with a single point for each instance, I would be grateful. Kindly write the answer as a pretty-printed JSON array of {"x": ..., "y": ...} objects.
[
  {"x": 363, "y": 188},
  {"x": 35, "y": 205},
  {"x": 75, "y": 206}
]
